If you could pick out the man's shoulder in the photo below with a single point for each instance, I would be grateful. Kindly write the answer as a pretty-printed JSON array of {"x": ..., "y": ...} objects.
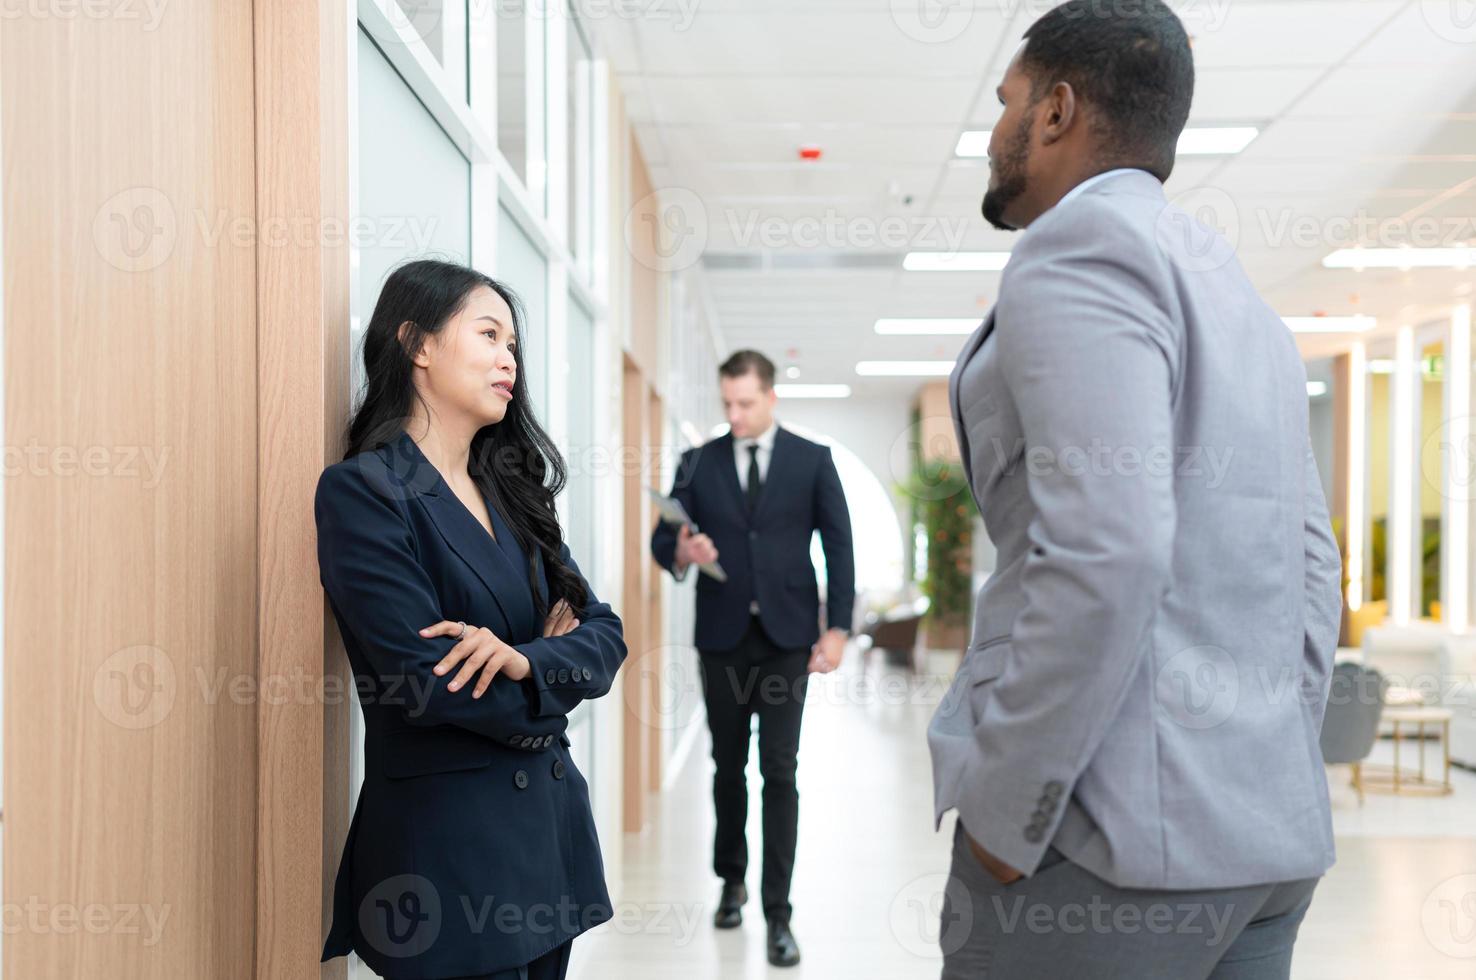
[
  {"x": 693, "y": 455},
  {"x": 807, "y": 446}
]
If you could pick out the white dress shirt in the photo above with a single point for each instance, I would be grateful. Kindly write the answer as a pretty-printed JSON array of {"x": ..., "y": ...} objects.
[{"x": 765, "y": 443}]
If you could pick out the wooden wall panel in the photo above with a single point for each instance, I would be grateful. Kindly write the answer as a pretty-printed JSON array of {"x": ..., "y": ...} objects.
[
  {"x": 935, "y": 422},
  {"x": 636, "y": 685},
  {"x": 302, "y": 300},
  {"x": 130, "y": 499}
]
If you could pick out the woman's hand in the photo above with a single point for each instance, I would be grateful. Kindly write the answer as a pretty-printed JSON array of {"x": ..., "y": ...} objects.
[
  {"x": 560, "y": 620},
  {"x": 482, "y": 650}
]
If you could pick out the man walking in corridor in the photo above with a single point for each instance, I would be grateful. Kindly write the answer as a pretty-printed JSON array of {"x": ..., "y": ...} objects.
[
  {"x": 757, "y": 495},
  {"x": 1135, "y": 725}
]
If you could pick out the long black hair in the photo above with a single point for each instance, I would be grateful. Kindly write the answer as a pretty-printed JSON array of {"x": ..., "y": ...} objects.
[{"x": 513, "y": 462}]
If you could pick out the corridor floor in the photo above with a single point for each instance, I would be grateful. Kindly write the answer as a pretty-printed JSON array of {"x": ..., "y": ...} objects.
[{"x": 1400, "y": 903}]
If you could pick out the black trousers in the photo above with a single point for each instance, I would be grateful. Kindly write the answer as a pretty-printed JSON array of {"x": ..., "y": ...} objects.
[
  {"x": 552, "y": 965},
  {"x": 756, "y": 678}
]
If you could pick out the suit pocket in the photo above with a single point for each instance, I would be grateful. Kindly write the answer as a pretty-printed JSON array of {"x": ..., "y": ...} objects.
[
  {"x": 421, "y": 752},
  {"x": 986, "y": 660}
]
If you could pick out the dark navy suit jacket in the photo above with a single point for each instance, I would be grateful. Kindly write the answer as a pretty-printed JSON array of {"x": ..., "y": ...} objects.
[
  {"x": 766, "y": 556},
  {"x": 472, "y": 847}
]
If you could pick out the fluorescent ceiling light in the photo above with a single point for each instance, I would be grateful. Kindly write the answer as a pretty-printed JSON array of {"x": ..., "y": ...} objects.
[
  {"x": 1215, "y": 140},
  {"x": 1329, "y": 324},
  {"x": 812, "y": 391},
  {"x": 1194, "y": 141},
  {"x": 905, "y": 369},
  {"x": 1381, "y": 365},
  {"x": 955, "y": 261},
  {"x": 1401, "y": 258},
  {"x": 1316, "y": 389},
  {"x": 927, "y": 326}
]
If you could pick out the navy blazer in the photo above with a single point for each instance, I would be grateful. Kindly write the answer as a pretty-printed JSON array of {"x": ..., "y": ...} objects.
[
  {"x": 472, "y": 847},
  {"x": 766, "y": 556}
]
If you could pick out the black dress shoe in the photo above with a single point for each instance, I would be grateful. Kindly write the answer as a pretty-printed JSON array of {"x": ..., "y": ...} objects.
[
  {"x": 729, "y": 913},
  {"x": 783, "y": 949}
]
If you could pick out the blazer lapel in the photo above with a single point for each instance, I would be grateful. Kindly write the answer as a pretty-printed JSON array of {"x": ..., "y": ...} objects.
[
  {"x": 727, "y": 466},
  {"x": 971, "y": 347},
  {"x": 465, "y": 536},
  {"x": 778, "y": 464}
]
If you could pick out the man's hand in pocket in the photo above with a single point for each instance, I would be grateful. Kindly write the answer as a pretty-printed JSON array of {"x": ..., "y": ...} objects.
[{"x": 1003, "y": 873}]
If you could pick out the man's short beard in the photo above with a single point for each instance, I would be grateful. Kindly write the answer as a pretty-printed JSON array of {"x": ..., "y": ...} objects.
[{"x": 1010, "y": 169}]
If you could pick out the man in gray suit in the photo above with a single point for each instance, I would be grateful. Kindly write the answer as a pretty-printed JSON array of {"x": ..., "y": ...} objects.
[{"x": 1131, "y": 742}]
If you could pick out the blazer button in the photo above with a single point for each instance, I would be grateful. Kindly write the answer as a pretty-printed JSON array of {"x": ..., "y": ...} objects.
[
  {"x": 1034, "y": 834},
  {"x": 520, "y": 779},
  {"x": 551, "y": 675},
  {"x": 564, "y": 676},
  {"x": 1054, "y": 788},
  {"x": 527, "y": 742},
  {"x": 753, "y": 535},
  {"x": 515, "y": 741},
  {"x": 588, "y": 674},
  {"x": 547, "y": 741},
  {"x": 559, "y": 769}
]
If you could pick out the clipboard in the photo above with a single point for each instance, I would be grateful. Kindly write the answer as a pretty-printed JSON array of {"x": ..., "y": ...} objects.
[{"x": 672, "y": 512}]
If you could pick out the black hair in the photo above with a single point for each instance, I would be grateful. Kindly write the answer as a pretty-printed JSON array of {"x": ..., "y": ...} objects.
[
  {"x": 513, "y": 462},
  {"x": 1131, "y": 61}
]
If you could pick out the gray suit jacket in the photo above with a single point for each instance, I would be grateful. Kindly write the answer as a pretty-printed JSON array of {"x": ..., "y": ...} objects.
[{"x": 1150, "y": 662}]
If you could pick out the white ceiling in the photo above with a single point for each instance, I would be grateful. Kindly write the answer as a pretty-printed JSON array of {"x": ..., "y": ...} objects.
[{"x": 1366, "y": 107}]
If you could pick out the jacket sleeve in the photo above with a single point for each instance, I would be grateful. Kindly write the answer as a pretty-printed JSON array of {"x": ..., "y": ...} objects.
[
  {"x": 664, "y": 535},
  {"x": 833, "y": 521},
  {"x": 582, "y": 663},
  {"x": 1088, "y": 353},
  {"x": 1324, "y": 588},
  {"x": 384, "y": 597}
]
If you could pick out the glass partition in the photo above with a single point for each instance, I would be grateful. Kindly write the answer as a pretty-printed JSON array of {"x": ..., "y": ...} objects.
[
  {"x": 1379, "y": 471},
  {"x": 1429, "y": 498}
]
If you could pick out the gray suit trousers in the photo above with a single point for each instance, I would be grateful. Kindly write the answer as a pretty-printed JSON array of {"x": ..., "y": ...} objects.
[{"x": 1063, "y": 921}]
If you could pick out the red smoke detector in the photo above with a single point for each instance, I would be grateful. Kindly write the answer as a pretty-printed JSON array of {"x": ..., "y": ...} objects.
[{"x": 809, "y": 151}]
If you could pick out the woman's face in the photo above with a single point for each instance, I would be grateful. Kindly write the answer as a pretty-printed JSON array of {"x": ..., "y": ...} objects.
[{"x": 469, "y": 368}]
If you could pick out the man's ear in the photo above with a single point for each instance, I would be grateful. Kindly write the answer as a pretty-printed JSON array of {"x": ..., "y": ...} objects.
[{"x": 1061, "y": 112}]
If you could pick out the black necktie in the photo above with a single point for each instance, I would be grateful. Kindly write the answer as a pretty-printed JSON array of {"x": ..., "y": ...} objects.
[{"x": 753, "y": 478}]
